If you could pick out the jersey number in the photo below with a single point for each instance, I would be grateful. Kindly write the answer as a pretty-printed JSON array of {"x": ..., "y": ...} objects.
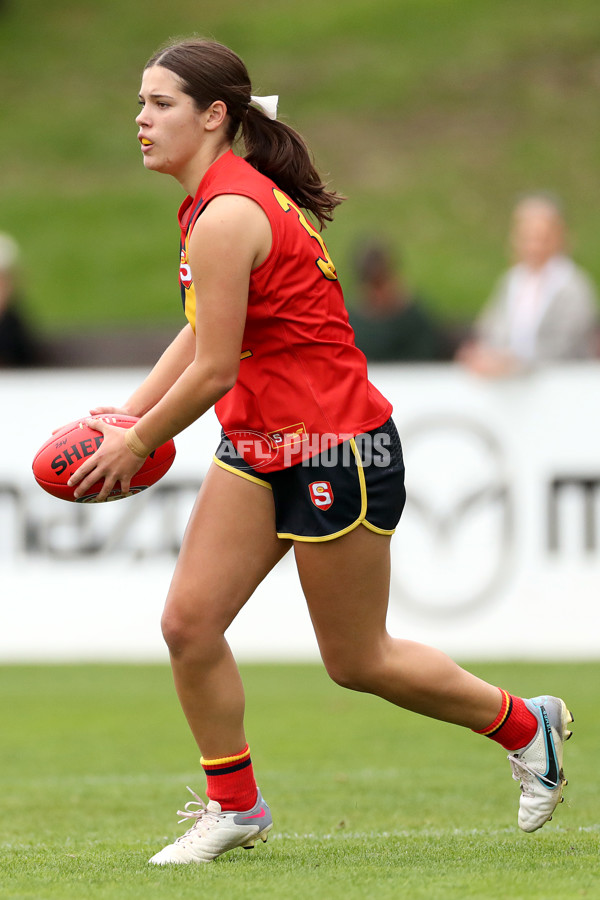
[{"x": 324, "y": 262}]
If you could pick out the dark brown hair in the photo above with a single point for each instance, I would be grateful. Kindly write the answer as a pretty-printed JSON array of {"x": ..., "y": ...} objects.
[{"x": 209, "y": 71}]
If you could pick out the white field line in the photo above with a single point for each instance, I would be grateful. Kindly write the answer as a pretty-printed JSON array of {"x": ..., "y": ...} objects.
[{"x": 341, "y": 837}]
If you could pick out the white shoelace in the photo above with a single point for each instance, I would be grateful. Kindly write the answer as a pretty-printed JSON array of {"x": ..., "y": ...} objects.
[
  {"x": 525, "y": 774},
  {"x": 203, "y": 816}
]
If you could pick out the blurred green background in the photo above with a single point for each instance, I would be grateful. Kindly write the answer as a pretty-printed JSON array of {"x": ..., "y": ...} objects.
[{"x": 431, "y": 115}]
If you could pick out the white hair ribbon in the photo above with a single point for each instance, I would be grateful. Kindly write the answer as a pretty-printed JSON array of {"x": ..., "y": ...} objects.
[{"x": 267, "y": 104}]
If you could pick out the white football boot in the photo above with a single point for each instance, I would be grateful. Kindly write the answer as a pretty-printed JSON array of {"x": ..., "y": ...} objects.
[
  {"x": 539, "y": 765},
  {"x": 215, "y": 832}
]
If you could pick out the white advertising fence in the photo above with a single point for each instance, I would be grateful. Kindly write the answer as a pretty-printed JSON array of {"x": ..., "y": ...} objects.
[{"x": 496, "y": 556}]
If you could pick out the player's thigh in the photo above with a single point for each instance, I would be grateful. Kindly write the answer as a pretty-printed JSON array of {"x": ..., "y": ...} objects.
[
  {"x": 346, "y": 583},
  {"x": 229, "y": 546}
]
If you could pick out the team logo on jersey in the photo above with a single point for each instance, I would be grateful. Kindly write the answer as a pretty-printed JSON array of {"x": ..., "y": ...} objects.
[
  {"x": 185, "y": 273},
  {"x": 290, "y": 436},
  {"x": 321, "y": 494}
]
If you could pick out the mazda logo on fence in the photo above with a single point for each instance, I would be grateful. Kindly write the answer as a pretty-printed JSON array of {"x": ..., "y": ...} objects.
[{"x": 453, "y": 548}]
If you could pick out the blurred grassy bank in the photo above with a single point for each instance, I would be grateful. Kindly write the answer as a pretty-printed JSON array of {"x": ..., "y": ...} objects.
[{"x": 431, "y": 115}]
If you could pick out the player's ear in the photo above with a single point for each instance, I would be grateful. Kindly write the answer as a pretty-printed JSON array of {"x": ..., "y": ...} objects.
[{"x": 216, "y": 114}]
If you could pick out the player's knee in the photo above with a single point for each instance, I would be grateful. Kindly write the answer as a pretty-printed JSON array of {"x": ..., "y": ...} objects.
[
  {"x": 183, "y": 635},
  {"x": 350, "y": 673},
  {"x": 344, "y": 677},
  {"x": 174, "y": 632}
]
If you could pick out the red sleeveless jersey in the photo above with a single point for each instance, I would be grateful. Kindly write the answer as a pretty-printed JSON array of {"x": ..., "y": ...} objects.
[{"x": 302, "y": 384}]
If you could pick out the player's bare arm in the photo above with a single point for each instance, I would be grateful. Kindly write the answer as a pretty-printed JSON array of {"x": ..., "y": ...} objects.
[
  {"x": 175, "y": 359},
  {"x": 232, "y": 237}
]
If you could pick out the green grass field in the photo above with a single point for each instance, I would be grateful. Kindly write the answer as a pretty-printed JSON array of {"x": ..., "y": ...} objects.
[
  {"x": 431, "y": 115},
  {"x": 368, "y": 801}
]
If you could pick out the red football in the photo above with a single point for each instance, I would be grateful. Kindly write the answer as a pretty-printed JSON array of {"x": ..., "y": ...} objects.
[{"x": 66, "y": 449}]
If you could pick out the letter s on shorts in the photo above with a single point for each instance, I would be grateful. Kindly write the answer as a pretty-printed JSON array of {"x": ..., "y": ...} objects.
[{"x": 321, "y": 494}]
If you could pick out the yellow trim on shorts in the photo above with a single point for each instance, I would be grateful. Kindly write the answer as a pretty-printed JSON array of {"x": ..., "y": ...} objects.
[
  {"x": 359, "y": 521},
  {"x": 245, "y": 475},
  {"x": 378, "y": 530}
]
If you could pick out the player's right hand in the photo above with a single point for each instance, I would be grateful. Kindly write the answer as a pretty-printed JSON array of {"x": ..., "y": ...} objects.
[{"x": 113, "y": 461}]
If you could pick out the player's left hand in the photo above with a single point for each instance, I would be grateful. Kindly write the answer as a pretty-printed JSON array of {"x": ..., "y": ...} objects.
[{"x": 113, "y": 461}]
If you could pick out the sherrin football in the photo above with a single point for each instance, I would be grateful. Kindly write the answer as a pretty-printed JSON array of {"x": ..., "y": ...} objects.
[{"x": 67, "y": 448}]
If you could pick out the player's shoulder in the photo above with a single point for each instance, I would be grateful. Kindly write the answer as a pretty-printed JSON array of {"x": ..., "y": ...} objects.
[
  {"x": 235, "y": 170},
  {"x": 230, "y": 210},
  {"x": 230, "y": 220}
]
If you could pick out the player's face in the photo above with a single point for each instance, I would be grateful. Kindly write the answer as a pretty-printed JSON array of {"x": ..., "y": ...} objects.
[{"x": 170, "y": 126}]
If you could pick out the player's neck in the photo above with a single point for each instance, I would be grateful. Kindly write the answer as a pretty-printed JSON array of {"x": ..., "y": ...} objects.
[{"x": 193, "y": 174}]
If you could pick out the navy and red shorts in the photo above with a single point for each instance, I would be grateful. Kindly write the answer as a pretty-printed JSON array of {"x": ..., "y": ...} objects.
[{"x": 359, "y": 481}]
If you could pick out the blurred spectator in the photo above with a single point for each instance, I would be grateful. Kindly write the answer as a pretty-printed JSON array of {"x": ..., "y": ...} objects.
[
  {"x": 17, "y": 346},
  {"x": 543, "y": 308},
  {"x": 389, "y": 320}
]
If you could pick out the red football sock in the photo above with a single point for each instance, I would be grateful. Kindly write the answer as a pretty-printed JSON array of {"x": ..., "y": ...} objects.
[
  {"x": 514, "y": 726},
  {"x": 230, "y": 781}
]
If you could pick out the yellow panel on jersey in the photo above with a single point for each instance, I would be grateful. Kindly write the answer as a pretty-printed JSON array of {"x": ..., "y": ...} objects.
[{"x": 188, "y": 292}]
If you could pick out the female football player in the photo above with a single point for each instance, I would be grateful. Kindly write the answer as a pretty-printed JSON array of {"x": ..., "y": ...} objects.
[{"x": 309, "y": 457}]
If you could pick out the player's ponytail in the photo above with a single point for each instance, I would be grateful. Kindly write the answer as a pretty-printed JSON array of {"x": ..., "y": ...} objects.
[
  {"x": 210, "y": 71},
  {"x": 279, "y": 152}
]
